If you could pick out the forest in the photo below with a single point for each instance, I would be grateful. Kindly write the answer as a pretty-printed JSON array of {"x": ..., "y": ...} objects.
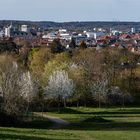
[{"x": 40, "y": 78}]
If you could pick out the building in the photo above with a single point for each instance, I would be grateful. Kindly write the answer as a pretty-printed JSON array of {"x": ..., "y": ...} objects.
[
  {"x": 115, "y": 32},
  {"x": 90, "y": 34},
  {"x": 24, "y": 28},
  {"x": 93, "y": 35},
  {"x": 79, "y": 38},
  {"x": 98, "y": 34},
  {"x": 133, "y": 30},
  {"x": 1, "y": 33},
  {"x": 63, "y": 34},
  {"x": 50, "y": 36},
  {"x": 7, "y": 31}
]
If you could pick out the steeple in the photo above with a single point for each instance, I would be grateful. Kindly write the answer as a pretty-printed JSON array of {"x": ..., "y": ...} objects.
[{"x": 11, "y": 24}]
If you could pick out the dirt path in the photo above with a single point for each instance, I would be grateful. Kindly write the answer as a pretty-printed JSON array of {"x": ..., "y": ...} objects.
[{"x": 58, "y": 123}]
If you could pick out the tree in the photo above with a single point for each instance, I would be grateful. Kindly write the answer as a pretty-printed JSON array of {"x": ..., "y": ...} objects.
[
  {"x": 38, "y": 58},
  {"x": 56, "y": 46},
  {"x": 61, "y": 61},
  {"x": 72, "y": 44},
  {"x": 16, "y": 87},
  {"x": 59, "y": 87},
  {"x": 111, "y": 61},
  {"x": 28, "y": 88},
  {"x": 24, "y": 55},
  {"x": 90, "y": 60},
  {"x": 83, "y": 45},
  {"x": 8, "y": 45},
  {"x": 116, "y": 96},
  {"x": 79, "y": 77},
  {"x": 99, "y": 90}
]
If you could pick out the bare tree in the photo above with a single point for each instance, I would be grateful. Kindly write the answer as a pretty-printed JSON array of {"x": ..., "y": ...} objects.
[
  {"x": 59, "y": 87},
  {"x": 99, "y": 90}
]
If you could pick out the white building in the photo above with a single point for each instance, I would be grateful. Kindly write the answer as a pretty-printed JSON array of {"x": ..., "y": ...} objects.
[
  {"x": 50, "y": 36},
  {"x": 24, "y": 28},
  {"x": 90, "y": 34},
  {"x": 63, "y": 34},
  {"x": 94, "y": 34},
  {"x": 115, "y": 32},
  {"x": 133, "y": 30},
  {"x": 8, "y": 31},
  {"x": 62, "y": 30}
]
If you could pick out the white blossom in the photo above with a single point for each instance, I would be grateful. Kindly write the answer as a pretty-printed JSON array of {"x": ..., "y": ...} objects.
[{"x": 59, "y": 85}]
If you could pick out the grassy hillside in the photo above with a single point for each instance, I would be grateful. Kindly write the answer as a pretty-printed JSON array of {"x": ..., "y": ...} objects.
[{"x": 86, "y": 124}]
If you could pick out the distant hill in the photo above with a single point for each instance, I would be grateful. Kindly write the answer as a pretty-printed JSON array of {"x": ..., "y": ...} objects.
[{"x": 73, "y": 25}]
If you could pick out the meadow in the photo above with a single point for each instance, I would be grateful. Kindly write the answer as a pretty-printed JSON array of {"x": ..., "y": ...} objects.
[{"x": 85, "y": 124}]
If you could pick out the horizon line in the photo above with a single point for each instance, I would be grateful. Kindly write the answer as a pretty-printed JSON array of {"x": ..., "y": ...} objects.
[{"x": 68, "y": 21}]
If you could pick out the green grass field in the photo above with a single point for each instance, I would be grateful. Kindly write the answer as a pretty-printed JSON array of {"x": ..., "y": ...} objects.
[{"x": 86, "y": 124}]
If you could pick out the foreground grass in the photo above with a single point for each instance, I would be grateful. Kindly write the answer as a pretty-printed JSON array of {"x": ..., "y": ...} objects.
[
  {"x": 86, "y": 124},
  {"x": 37, "y": 134}
]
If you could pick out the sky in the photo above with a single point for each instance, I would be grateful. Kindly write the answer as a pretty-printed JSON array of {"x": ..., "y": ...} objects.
[{"x": 70, "y": 10}]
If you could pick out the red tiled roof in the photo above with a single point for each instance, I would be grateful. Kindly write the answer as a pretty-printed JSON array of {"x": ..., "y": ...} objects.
[{"x": 125, "y": 36}]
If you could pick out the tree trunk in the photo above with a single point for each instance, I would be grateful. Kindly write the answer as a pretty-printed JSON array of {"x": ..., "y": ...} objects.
[
  {"x": 59, "y": 101},
  {"x": 65, "y": 105},
  {"x": 78, "y": 103},
  {"x": 42, "y": 109},
  {"x": 123, "y": 103},
  {"x": 99, "y": 100},
  {"x": 27, "y": 109},
  {"x": 58, "y": 106}
]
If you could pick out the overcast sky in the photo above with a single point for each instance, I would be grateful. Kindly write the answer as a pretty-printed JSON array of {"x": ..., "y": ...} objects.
[{"x": 70, "y": 10}]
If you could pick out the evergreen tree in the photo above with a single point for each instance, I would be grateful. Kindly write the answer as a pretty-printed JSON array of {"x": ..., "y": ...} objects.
[
  {"x": 56, "y": 46},
  {"x": 72, "y": 44},
  {"x": 83, "y": 45}
]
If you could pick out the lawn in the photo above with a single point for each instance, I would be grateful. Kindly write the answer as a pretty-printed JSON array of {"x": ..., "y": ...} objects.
[{"x": 86, "y": 124}]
